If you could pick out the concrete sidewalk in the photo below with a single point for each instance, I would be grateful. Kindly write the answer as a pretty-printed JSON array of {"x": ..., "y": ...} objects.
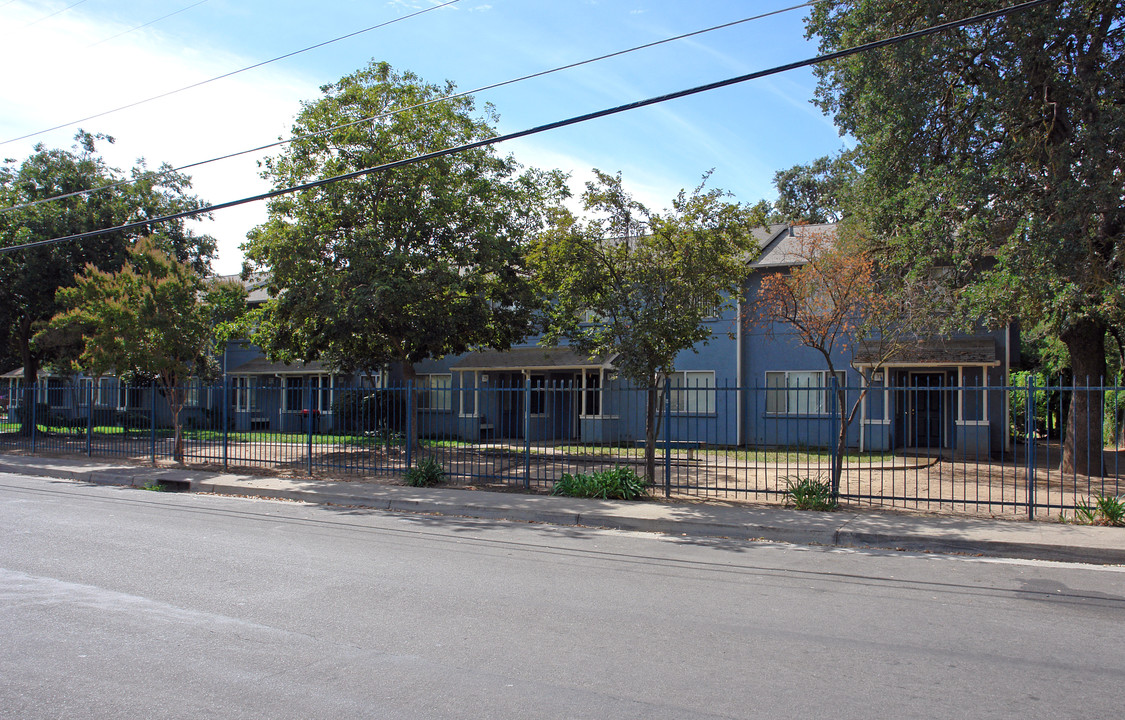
[{"x": 1002, "y": 538}]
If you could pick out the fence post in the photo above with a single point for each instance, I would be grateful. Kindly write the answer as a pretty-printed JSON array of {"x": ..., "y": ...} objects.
[
  {"x": 667, "y": 437},
  {"x": 34, "y": 419},
  {"x": 225, "y": 400},
  {"x": 151, "y": 419},
  {"x": 527, "y": 431},
  {"x": 89, "y": 418},
  {"x": 409, "y": 422},
  {"x": 309, "y": 420},
  {"x": 1029, "y": 445}
]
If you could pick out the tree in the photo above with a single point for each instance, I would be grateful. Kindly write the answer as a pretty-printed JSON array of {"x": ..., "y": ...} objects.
[
  {"x": 814, "y": 193},
  {"x": 995, "y": 151},
  {"x": 30, "y": 277},
  {"x": 154, "y": 316},
  {"x": 834, "y": 301},
  {"x": 417, "y": 262},
  {"x": 649, "y": 279}
]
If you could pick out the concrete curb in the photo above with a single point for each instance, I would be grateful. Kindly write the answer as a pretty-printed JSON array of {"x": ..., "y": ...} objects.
[{"x": 998, "y": 538}]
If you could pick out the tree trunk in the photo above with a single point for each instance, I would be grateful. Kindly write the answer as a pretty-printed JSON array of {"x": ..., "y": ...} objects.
[
  {"x": 651, "y": 397},
  {"x": 1082, "y": 445}
]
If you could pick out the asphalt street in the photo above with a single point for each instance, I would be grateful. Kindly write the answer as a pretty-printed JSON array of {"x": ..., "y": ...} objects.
[{"x": 117, "y": 602}]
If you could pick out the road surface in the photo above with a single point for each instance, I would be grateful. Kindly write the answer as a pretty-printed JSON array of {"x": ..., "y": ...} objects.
[{"x": 122, "y": 603}]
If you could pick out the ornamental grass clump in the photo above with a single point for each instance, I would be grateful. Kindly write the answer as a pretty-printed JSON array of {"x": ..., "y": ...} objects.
[
  {"x": 427, "y": 473},
  {"x": 619, "y": 483},
  {"x": 810, "y": 494}
]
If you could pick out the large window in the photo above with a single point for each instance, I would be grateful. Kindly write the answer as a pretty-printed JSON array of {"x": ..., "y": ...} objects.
[
  {"x": 693, "y": 392},
  {"x": 300, "y": 396},
  {"x": 244, "y": 394},
  {"x": 794, "y": 392},
  {"x": 435, "y": 392}
]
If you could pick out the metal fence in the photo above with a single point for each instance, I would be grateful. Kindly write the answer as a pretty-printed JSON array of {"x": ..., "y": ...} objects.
[{"x": 975, "y": 449}]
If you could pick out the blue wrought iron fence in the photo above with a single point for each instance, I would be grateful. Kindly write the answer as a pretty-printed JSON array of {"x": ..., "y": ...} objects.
[{"x": 993, "y": 449}]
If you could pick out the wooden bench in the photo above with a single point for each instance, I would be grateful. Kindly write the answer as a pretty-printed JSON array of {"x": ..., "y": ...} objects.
[{"x": 690, "y": 445}]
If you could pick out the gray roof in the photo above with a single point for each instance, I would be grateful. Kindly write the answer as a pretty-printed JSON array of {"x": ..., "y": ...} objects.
[
  {"x": 783, "y": 249},
  {"x": 262, "y": 366},
  {"x": 531, "y": 358},
  {"x": 935, "y": 351}
]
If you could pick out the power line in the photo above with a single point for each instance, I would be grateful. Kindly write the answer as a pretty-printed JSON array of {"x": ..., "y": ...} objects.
[
  {"x": 865, "y": 47},
  {"x": 229, "y": 74},
  {"x": 144, "y": 25},
  {"x": 57, "y": 12},
  {"x": 392, "y": 113}
]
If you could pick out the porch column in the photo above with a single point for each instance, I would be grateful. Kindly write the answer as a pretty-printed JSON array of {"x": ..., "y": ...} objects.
[
  {"x": 583, "y": 405},
  {"x": 461, "y": 394},
  {"x": 984, "y": 392},
  {"x": 960, "y": 394}
]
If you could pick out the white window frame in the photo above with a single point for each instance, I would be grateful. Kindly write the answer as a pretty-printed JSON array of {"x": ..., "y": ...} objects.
[
  {"x": 692, "y": 392},
  {"x": 245, "y": 393},
  {"x": 435, "y": 391},
  {"x": 802, "y": 392}
]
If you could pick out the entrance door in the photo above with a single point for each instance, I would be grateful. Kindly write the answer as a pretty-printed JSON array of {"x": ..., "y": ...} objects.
[{"x": 926, "y": 410}]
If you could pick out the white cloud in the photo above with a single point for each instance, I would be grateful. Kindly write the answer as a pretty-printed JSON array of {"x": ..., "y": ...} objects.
[{"x": 228, "y": 115}]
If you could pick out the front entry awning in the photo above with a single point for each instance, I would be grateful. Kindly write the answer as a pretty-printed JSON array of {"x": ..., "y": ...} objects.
[
  {"x": 931, "y": 353},
  {"x": 532, "y": 358}
]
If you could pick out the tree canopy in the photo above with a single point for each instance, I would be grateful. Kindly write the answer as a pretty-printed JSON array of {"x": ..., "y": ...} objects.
[
  {"x": 154, "y": 316},
  {"x": 635, "y": 284},
  {"x": 416, "y": 262},
  {"x": 29, "y": 277},
  {"x": 995, "y": 153}
]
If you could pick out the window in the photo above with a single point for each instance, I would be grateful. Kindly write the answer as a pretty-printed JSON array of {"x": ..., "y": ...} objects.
[
  {"x": 244, "y": 394},
  {"x": 192, "y": 392},
  {"x": 593, "y": 398},
  {"x": 295, "y": 396},
  {"x": 308, "y": 392},
  {"x": 799, "y": 392},
  {"x": 435, "y": 392},
  {"x": 693, "y": 392}
]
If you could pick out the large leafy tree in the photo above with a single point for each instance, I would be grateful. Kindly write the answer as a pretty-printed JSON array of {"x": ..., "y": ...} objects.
[
  {"x": 635, "y": 284},
  {"x": 995, "y": 152},
  {"x": 397, "y": 266},
  {"x": 834, "y": 301},
  {"x": 155, "y": 316},
  {"x": 29, "y": 277}
]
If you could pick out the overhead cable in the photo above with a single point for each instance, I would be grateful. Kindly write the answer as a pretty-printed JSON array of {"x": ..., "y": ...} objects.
[
  {"x": 397, "y": 111},
  {"x": 144, "y": 25},
  {"x": 57, "y": 12},
  {"x": 865, "y": 47},
  {"x": 229, "y": 74}
]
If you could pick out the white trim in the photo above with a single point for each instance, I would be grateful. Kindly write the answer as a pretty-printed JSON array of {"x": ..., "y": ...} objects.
[
  {"x": 972, "y": 422},
  {"x": 877, "y": 421}
]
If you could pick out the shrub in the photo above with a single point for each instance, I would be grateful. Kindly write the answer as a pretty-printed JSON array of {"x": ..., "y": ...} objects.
[
  {"x": 810, "y": 494},
  {"x": 619, "y": 483},
  {"x": 1103, "y": 510},
  {"x": 424, "y": 474}
]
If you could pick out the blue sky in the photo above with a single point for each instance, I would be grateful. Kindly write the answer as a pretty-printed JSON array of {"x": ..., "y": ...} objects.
[{"x": 64, "y": 66}]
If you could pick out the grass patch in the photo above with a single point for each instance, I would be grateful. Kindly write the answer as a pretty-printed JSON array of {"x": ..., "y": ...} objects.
[{"x": 619, "y": 483}]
